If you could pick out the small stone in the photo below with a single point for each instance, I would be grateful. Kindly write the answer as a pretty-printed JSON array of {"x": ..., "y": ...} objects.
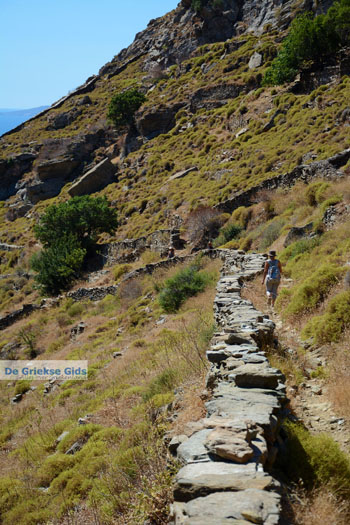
[
  {"x": 316, "y": 389},
  {"x": 117, "y": 354},
  {"x": 176, "y": 442},
  {"x": 62, "y": 436}
]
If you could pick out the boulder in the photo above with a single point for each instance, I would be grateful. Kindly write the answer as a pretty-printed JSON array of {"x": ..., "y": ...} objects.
[
  {"x": 297, "y": 233},
  {"x": 61, "y": 120},
  {"x": 11, "y": 170},
  {"x": 255, "y": 60},
  {"x": 95, "y": 179},
  {"x": 60, "y": 167},
  {"x": 18, "y": 209},
  {"x": 77, "y": 330},
  {"x": 151, "y": 122}
]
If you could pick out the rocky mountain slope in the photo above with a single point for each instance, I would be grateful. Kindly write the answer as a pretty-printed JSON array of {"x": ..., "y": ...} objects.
[{"x": 213, "y": 154}]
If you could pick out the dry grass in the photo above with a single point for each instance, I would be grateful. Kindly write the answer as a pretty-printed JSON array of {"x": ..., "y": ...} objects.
[
  {"x": 321, "y": 507},
  {"x": 191, "y": 407},
  {"x": 339, "y": 383}
]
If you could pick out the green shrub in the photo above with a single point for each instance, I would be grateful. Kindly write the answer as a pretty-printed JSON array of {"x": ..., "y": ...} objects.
[
  {"x": 10, "y": 493},
  {"x": 314, "y": 289},
  {"x": 22, "y": 386},
  {"x": 184, "y": 284},
  {"x": 58, "y": 265},
  {"x": 52, "y": 467},
  {"x": 123, "y": 106},
  {"x": 228, "y": 233},
  {"x": 241, "y": 216},
  {"x": 299, "y": 247},
  {"x": 271, "y": 233},
  {"x": 162, "y": 384},
  {"x": 120, "y": 269},
  {"x": 309, "y": 39},
  {"x": 315, "y": 191},
  {"x": 69, "y": 232},
  {"x": 316, "y": 459},
  {"x": 330, "y": 326},
  {"x": 82, "y": 218}
]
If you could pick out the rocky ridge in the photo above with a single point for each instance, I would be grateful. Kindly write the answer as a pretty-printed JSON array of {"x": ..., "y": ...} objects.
[{"x": 226, "y": 455}]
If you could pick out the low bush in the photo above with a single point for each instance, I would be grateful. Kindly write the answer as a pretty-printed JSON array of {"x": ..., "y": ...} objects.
[
  {"x": 22, "y": 386},
  {"x": 241, "y": 216},
  {"x": 185, "y": 283},
  {"x": 120, "y": 269},
  {"x": 161, "y": 384},
  {"x": 299, "y": 247},
  {"x": 313, "y": 290},
  {"x": 228, "y": 233},
  {"x": 315, "y": 193},
  {"x": 330, "y": 326},
  {"x": 271, "y": 233},
  {"x": 52, "y": 467},
  {"x": 316, "y": 460}
]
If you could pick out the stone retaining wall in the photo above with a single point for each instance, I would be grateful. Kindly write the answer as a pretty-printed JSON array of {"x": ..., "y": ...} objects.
[
  {"x": 99, "y": 292},
  {"x": 96, "y": 293},
  {"x": 130, "y": 249},
  {"x": 327, "y": 169},
  {"x": 226, "y": 456}
]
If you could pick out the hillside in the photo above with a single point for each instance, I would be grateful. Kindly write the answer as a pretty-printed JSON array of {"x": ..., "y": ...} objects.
[{"x": 214, "y": 153}]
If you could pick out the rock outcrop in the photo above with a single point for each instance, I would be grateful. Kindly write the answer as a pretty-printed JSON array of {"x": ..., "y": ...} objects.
[
  {"x": 95, "y": 179},
  {"x": 226, "y": 455}
]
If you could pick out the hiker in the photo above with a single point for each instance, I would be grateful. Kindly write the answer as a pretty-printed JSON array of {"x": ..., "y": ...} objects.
[
  {"x": 272, "y": 274},
  {"x": 171, "y": 252},
  {"x": 210, "y": 246}
]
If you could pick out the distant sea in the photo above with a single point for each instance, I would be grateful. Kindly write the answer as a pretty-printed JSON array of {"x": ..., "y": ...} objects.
[{"x": 10, "y": 118}]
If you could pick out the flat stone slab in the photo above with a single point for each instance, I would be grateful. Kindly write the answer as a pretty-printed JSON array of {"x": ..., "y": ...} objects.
[
  {"x": 249, "y": 506},
  {"x": 246, "y": 405},
  {"x": 193, "y": 449},
  {"x": 195, "y": 480},
  {"x": 257, "y": 376}
]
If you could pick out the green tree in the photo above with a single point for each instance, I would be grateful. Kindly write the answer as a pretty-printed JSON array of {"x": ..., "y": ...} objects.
[
  {"x": 123, "y": 106},
  {"x": 58, "y": 265},
  {"x": 82, "y": 217},
  {"x": 69, "y": 232}
]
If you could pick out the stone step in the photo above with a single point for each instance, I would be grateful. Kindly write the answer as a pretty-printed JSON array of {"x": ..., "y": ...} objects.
[{"x": 243, "y": 507}]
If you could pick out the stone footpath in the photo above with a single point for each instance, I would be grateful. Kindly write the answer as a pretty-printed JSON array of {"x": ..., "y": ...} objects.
[{"x": 226, "y": 455}]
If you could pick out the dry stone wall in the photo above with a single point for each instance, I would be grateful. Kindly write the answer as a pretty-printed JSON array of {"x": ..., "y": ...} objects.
[{"x": 226, "y": 456}]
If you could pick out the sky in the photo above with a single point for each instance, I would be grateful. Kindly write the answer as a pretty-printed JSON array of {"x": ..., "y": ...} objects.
[{"x": 50, "y": 47}]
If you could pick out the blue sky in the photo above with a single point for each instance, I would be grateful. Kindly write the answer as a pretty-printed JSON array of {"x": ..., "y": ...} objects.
[{"x": 49, "y": 47}]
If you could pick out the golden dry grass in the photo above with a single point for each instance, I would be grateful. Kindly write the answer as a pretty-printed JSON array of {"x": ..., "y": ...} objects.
[{"x": 321, "y": 507}]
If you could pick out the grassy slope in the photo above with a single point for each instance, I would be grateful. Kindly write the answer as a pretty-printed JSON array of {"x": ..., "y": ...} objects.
[{"x": 122, "y": 448}]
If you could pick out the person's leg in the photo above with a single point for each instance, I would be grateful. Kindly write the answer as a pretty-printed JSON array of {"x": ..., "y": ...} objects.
[
  {"x": 274, "y": 293},
  {"x": 269, "y": 292}
]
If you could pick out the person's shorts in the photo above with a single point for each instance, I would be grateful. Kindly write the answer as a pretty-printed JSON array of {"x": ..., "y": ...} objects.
[{"x": 272, "y": 287}]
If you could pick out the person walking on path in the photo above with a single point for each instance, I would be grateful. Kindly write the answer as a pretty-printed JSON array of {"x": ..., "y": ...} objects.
[
  {"x": 171, "y": 252},
  {"x": 272, "y": 274}
]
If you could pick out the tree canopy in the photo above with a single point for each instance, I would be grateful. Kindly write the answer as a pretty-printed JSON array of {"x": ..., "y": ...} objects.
[
  {"x": 69, "y": 232},
  {"x": 123, "y": 106},
  {"x": 82, "y": 217}
]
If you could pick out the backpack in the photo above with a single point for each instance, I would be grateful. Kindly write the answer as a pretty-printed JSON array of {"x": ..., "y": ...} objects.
[{"x": 273, "y": 273}]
